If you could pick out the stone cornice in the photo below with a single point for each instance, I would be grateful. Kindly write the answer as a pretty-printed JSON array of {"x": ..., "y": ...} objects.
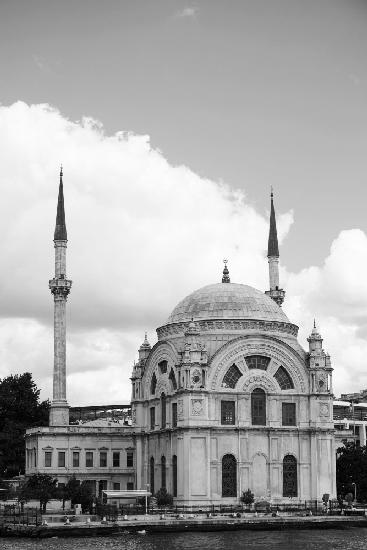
[{"x": 228, "y": 325}]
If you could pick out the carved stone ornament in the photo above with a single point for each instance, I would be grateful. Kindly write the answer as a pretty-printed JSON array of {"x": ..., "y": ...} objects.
[
  {"x": 230, "y": 325},
  {"x": 234, "y": 351},
  {"x": 196, "y": 377},
  {"x": 197, "y": 407},
  {"x": 324, "y": 409},
  {"x": 260, "y": 381},
  {"x": 133, "y": 415},
  {"x": 180, "y": 409}
]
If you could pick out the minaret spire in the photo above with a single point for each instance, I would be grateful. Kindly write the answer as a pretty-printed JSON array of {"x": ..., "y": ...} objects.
[
  {"x": 273, "y": 248},
  {"x": 60, "y": 229},
  {"x": 276, "y": 293},
  {"x": 60, "y": 287}
]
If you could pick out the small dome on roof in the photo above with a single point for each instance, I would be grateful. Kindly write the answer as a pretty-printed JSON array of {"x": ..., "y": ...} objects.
[{"x": 227, "y": 301}]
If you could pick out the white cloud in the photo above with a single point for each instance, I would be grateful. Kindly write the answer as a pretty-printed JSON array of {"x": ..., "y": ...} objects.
[{"x": 142, "y": 235}]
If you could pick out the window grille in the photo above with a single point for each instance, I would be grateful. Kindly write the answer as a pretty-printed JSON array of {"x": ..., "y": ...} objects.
[
  {"x": 152, "y": 418},
  {"x": 228, "y": 412},
  {"x": 257, "y": 362},
  {"x": 163, "y": 473},
  {"x": 174, "y": 415},
  {"x": 289, "y": 476},
  {"x": 172, "y": 379},
  {"x": 174, "y": 475},
  {"x": 231, "y": 377},
  {"x": 284, "y": 380},
  {"x": 151, "y": 474},
  {"x": 61, "y": 459},
  {"x": 229, "y": 476},
  {"x": 163, "y": 410},
  {"x": 288, "y": 414},
  {"x": 162, "y": 367},
  {"x": 48, "y": 459},
  {"x": 153, "y": 384},
  {"x": 258, "y": 407}
]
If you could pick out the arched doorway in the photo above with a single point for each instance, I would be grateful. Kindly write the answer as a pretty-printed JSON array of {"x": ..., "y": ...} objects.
[
  {"x": 290, "y": 484},
  {"x": 229, "y": 476}
]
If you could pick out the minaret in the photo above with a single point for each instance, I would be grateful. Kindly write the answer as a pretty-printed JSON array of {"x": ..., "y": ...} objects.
[
  {"x": 60, "y": 287},
  {"x": 276, "y": 293}
]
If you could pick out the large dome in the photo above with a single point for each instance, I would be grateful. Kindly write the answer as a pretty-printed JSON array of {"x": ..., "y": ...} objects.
[{"x": 227, "y": 301}]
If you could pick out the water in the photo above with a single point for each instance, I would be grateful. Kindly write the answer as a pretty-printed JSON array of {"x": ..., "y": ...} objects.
[{"x": 328, "y": 539}]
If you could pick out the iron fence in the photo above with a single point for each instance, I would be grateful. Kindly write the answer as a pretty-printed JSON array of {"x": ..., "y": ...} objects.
[
  {"x": 14, "y": 514},
  {"x": 307, "y": 507}
]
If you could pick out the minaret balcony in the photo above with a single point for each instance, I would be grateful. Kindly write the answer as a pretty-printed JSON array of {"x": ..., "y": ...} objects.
[
  {"x": 60, "y": 286},
  {"x": 276, "y": 294}
]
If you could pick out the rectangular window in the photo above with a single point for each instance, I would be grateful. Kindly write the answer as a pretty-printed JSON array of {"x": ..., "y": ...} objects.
[
  {"x": 228, "y": 412},
  {"x": 48, "y": 459},
  {"x": 61, "y": 459},
  {"x": 129, "y": 459},
  {"x": 288, "y": 414},
  {"x": 89, "y": 459},
  {"x": 152, "y": 418},
  {"x": 174, "y": 415},
  {"x": 116, "y": 486},
  {"x": 130, "y": 486},
  {"x": 76, "y": 460},
  {"x": 103, "y": 459},
  {"x": 116, "y": 459}
]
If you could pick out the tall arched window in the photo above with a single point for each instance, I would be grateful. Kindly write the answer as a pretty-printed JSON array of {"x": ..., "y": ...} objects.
[
  {"x": 153, "y": 384},
  {"x": 229, "y": 476},
  {"x": 289, "y": 476},
  {"x": 174, "y": 475},
  {"x": 163, "y": 473},
  {"x": 163, "y": 410},
  {"x": 258, "y": 407},
  {"x": 151, "y": 474}
]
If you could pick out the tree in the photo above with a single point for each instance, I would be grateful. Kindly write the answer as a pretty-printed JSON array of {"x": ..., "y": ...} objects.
[
  {"x": 351, "y": 469},
  {"x": 247, "y": 497},
  {"x": 20, "y": 408},
  {"x": 40, "y": 487},
  {"x": 163, "y": 497}
]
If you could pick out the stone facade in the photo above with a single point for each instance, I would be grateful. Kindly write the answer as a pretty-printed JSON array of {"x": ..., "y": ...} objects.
[
  {"x": 226, "y": 400},
  {"x": 194, "y": 400}
]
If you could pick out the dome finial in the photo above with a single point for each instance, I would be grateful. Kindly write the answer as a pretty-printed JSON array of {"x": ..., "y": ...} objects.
[{"x": 225, "y": 278}]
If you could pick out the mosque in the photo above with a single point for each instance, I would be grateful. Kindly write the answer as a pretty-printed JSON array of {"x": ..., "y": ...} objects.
[{"x": 226, "y": 400}]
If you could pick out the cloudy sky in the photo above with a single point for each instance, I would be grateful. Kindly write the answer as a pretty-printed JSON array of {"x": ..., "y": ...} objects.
[{"x": 172, "y": 120}]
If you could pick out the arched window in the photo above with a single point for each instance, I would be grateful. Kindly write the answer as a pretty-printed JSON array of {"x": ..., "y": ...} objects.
[
  {"x": 174, "y": 475},
  {"x": 151, "y": 473},
  {"x": 289, "y": 476},
  {"x": 284, "y": 380},
  {"x": 163, "y": 410},
  {"x": 257, "y": 362},
  {"x": 162, "y": 366},
  {"x": 172, "y": 379},
  {"x": 231, "y": 377},
  {"x": 163, "y": 473},
  {"x": 229, "y": 476},
  {"x": 258, "y": 407},
  {"x": 153, "y": 384}
]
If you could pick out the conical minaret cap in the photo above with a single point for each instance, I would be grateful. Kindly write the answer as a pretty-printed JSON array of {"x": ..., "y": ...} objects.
[
  {"x": 60, "y": 229},
  {"x": 273, "y": 248}
]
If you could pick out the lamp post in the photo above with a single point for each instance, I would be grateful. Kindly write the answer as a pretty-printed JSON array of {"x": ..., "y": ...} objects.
[{"x": 146, "y": 499}]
